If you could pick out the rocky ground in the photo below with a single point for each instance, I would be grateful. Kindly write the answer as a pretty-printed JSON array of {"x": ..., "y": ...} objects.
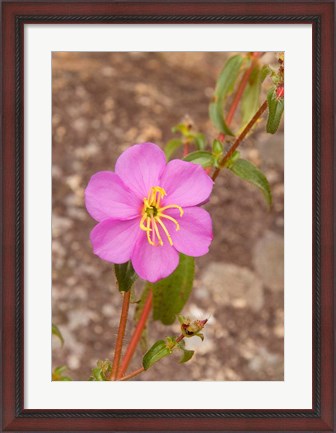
[{"x": 103, "y": 103}]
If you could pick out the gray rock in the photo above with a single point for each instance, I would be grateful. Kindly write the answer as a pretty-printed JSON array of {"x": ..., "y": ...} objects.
[
  {"x": 233, "y": 285},
  {"x": 268, "y": 259}
]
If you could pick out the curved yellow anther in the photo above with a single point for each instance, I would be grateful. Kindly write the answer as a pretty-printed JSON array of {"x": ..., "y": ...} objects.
[
  {"x": 173, "y": 206},
  {"x": 160, "y": 190},
  {"x": 168, "y": 217}
]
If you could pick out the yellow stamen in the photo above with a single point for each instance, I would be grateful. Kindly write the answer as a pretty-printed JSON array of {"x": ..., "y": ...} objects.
[
  {"x": 142, "y": 225},
  {"x": 161, "y": 215},
  {"x": 155, "y": 195},
  {"x": 152, "y": 212},
  {"x": 165, "y": 230},
  {"x": 172, "y": 206},
  {"x": 156, "y": 230},
  {"x": 148, "y": 230}
]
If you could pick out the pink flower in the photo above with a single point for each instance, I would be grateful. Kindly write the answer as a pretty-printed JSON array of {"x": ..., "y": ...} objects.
[{"x": 148, "y": 211}]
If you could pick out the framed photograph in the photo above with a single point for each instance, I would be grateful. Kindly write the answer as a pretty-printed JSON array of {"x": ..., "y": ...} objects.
[{"x": 168, "y": 216}]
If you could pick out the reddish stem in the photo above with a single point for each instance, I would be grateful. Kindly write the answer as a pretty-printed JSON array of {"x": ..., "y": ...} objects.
[
  {"x": 179, "y": 338},
  {"x": 136, "y": 335},
  {"x": 120, "y": 336},
  {"x": 239, "y": 139},
  {"x": 133, "y": 374}
]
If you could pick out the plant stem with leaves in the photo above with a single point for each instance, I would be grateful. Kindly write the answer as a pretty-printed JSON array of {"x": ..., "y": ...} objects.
[{"x": 241, "y": 137}]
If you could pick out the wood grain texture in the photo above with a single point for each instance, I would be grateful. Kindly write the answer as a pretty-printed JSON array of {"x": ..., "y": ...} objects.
[{"x": 14, "y": 16}]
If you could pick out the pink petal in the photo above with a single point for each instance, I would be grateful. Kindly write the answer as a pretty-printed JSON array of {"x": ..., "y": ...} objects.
[
  {"x": 140, "y": 167},
  {"x": 106, "y": 196},
  {"x": 186, "y": 183},
  {"x": 152, "y": 263},
  {"x": 114, "y": 240},
  {"x": 195, "y": 234}
]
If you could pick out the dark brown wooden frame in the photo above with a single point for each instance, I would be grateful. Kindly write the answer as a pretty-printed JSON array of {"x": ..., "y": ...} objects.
[{"x": 320, "y": 13}]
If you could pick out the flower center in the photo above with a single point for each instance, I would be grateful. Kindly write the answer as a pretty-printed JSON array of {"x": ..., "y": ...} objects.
[{"x": 153, "y": 216}]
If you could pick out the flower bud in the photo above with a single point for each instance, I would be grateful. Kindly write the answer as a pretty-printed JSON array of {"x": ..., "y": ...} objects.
[
  {"x": 190, "y": 328},
  {"x": 280, "y": 92}
]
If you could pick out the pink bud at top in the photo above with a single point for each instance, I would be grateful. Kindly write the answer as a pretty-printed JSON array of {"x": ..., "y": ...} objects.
[{"x": 280, "y": 92}]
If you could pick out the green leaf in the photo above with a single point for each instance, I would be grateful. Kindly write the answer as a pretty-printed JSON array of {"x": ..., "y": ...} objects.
[
  {"x": 172, "y": 146},
  {"x": 249, "y": 172},
  {"x": 217, "y": 148},
  {"x": 102, "y": 371},
  {"x": 216, "y": 115},
  {"x": 200, "y": 140},
  {"x": 96, "y": 375},
  {"x": 186, "y": 354},
  {"x": 158, "y": 351},
  {"x": 57, "y": 374},
  {"x": 225, "y": 86},
  {"x": 171, "y": 293},
  {"x": 251, "y": 96},
  {"x": 275, "y": 111},
  {"x": 265, "y": 70},
  {"x": 55, "y": 331},
  {"x": 202, "y": 157},
  {"x": 125, "y": 276}
]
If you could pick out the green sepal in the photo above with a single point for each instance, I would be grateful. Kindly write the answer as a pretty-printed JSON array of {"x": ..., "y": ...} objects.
[
  {"x": 158, "y": 351},
  {"x": 170, "y": 294},
  {"x": 125, "y": 275},
  {"x": 200, "y": 335},
  {"x": 225, "y": 86},
  {"x": 249, "y": 172},
  {"x": 202, "y": 157},
  {"x": 275, "y": 111},
  {"x": 172, "y": 146},
  {"x": 55, "y": 331}
]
